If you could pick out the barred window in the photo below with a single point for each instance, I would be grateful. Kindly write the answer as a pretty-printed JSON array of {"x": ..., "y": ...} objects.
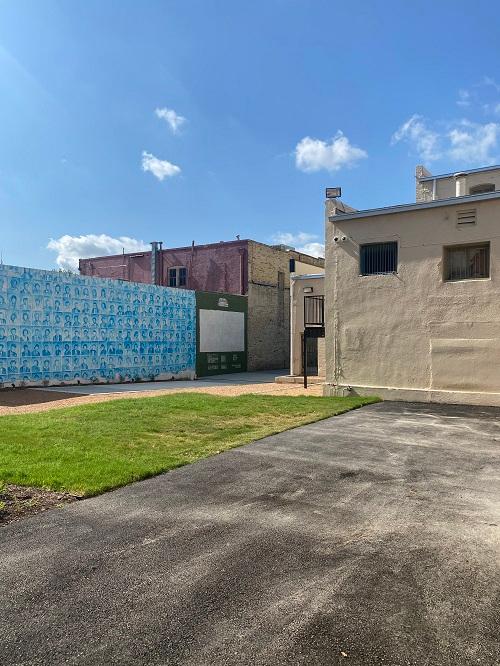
[
  {"x": 467, "y": 262},
  {"x": 378, "y": 258}
]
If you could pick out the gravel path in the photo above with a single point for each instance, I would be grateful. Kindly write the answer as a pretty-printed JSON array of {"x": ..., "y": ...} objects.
[{"x": 26, "y": 401}]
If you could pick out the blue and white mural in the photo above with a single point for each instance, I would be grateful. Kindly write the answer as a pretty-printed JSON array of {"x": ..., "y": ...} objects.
[{"x": 56, "y": 327}]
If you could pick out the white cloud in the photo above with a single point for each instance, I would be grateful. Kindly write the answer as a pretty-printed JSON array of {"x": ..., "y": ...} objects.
[
  {"x": 474, "y": 143},
  {"x": 464, "y": 97},
  {"x": 172, "y": 118},
  {"x": 315, "y": 154},
  {"x": 302, "y": 242},
  {"x": 463, "y": 141},
  {"x": 161, "y": 169},
  {"x": 71, "y": 248},
  {"x": 415, "y": 132}
]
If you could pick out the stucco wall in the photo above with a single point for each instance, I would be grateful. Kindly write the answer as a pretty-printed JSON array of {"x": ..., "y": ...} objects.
[
  {"x": 412, "y": 330},
  {"x": 297, "y": 321},
  {"x": 57, "y": 327}
]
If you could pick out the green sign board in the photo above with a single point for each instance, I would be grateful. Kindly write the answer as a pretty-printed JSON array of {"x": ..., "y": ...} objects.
[{"x": 221, "y": 333}]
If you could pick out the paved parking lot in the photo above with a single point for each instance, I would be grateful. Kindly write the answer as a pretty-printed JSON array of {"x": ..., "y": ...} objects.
[{"x": 371, "y": 538}]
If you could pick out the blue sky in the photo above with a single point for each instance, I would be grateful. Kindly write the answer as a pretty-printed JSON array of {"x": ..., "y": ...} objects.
[{"x": 124, "y": 122}]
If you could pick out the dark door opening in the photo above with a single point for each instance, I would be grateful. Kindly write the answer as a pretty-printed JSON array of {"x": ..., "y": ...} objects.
[{"x": 312, "y": 355}]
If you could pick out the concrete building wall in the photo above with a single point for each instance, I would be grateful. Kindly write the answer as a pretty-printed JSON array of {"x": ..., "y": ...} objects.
[
  {"x": 413, "y": 335},
  {"x": 297, "y": 293},
  {"x": 446, "y": 187}
]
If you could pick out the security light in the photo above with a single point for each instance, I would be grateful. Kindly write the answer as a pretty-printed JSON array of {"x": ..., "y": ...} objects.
[{"x": 333, "y": 192}]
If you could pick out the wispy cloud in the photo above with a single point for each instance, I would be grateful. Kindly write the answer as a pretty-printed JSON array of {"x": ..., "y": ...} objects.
[
  {"x": 302, "y": 242},
  {"x": 172, "y": 118},
  {"x": 71, "y": 248},
  {"x": 315, "y": 154},
  {"x": 416, "y": 133},
  {"x": 473, "y": 143},
  {"x": 489, "y": 81},
  {"x": 462, "y": 140},
  {"x": 464, "y": 97},
  {"x": 161, "y": 169}
]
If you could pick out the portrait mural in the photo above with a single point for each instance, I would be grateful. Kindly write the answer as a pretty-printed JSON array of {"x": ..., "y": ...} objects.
[{"x": 57, "y": 327}]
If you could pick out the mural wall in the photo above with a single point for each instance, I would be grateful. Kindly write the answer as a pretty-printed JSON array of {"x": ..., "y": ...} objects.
[{"x": 58, "y": 327}]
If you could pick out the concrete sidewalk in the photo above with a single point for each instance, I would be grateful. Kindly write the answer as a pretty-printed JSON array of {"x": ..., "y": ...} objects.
[
  {"x": 240, "y": 378},
  {"x": 371, "y": 538}
]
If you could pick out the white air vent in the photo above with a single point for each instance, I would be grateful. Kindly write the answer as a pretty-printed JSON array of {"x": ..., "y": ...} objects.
[{"x": 466, "y": 217}]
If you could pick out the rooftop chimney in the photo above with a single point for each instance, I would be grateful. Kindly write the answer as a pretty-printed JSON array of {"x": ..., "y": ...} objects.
[
  {"x": 156, "y": 247},
  {"x": 460, "y": 184}
]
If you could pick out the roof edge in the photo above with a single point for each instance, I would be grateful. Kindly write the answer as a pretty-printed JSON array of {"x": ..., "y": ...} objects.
[
  {"x": 404, "y": 208},
  {"x": 466, "y": 171}
]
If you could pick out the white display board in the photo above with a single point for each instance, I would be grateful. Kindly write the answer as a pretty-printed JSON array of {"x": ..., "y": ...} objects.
[{"x": 222, "y": 331}]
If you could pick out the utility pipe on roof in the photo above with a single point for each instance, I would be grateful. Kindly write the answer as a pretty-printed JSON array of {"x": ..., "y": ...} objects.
[{"x": 460, "y": 184}]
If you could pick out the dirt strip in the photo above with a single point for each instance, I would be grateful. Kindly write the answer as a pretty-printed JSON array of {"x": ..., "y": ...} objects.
[{"x": 26, "y": 404}]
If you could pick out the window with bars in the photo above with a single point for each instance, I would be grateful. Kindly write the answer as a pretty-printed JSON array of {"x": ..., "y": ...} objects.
[
  {"x": 467, "y": 262},
  {"x": 378, "y": 258}
]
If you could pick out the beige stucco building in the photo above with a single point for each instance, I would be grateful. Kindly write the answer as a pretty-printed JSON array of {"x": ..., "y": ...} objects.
[
  {"x": 307, "y": 308},
  {"x": 413, "y": 293}
]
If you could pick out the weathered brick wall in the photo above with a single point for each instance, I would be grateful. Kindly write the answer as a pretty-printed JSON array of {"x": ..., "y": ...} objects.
[
  {"x": 213, "y": 267},
  {"x": 268, "y": 334},
  {"x": 269, "y": 305}
]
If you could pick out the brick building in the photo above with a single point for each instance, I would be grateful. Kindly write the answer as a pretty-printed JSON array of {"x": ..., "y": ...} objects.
[{"x": 259, "y": 271}]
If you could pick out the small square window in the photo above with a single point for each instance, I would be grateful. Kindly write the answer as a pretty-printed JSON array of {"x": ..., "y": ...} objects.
[
  {"x": 378, "y": 258},
  {"x": 467, "y": 262}
]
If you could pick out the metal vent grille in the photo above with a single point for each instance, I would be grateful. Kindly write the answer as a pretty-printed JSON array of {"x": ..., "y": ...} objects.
[{"x": 466, "y": 217}]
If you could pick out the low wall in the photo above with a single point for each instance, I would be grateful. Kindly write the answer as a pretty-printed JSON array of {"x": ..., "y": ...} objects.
[{"x": 56, "y": 327}]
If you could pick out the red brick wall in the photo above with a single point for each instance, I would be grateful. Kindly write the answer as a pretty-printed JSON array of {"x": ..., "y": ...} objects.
[{"x": 210, "y": 267}]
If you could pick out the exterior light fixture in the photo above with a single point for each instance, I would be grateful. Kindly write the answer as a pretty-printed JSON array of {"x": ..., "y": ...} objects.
[{"x": 333, "y": 192}]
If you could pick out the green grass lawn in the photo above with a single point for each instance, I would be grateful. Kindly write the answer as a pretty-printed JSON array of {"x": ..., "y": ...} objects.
[{"x": 93, "y": 448}]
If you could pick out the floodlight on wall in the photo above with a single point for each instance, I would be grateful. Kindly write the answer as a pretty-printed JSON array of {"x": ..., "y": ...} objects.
[{"x": 333, "y": 192}]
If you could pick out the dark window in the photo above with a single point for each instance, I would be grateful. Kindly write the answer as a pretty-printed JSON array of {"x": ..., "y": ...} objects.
[
  {"x": 177, "y": 277},
  {"x": 292, "y": 265},
  {"x": 379, "y": 258},
  {"x": 482, "y": 188},
  {"x": 467, "y": 262}
]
